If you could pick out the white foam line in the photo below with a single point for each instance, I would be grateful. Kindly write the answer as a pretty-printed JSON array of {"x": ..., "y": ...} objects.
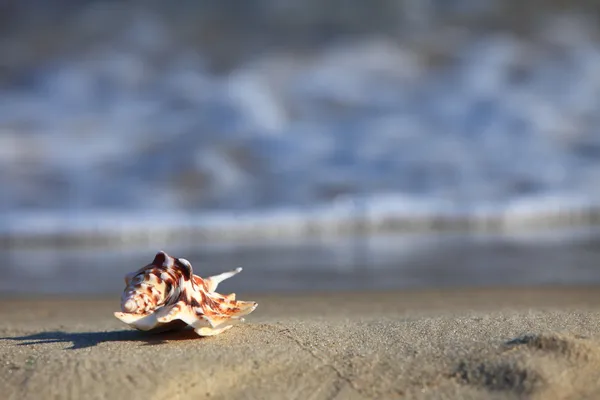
[{"x": 390, "y": 214}]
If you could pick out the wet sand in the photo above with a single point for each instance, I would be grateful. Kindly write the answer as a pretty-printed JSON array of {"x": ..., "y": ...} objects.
[{"x": 470, "y": 344}]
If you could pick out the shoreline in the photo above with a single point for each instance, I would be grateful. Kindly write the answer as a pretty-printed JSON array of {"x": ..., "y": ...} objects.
[{"x": 524, "y": 293}]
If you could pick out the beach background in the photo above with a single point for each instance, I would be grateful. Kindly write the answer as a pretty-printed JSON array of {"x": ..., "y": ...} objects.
[
  {"x": 418, "y": 160},
  {"x": 417, "y": 143}
]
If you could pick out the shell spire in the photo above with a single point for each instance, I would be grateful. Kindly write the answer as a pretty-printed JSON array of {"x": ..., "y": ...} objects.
[{"x": 166, "y": 294}]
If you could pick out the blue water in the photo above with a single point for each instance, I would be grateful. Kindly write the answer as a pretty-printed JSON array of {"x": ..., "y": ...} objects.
[
  {"x": 370, "y": 263},
  {"x": 109, "y": 129},
  {"x": 133, "y": 143}
]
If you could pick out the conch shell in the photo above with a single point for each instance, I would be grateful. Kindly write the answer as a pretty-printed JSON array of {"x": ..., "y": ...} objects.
[{"x": 166, "y": 295}]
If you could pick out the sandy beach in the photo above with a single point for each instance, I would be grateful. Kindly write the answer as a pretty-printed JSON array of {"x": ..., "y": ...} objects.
[{"x": 447, "y": 344}]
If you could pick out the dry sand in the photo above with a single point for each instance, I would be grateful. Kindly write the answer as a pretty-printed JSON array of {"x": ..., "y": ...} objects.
[{"x": 455, "y": 344}]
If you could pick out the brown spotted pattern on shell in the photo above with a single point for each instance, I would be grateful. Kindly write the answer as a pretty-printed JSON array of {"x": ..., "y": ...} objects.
[{"x": 166, "y": 294}]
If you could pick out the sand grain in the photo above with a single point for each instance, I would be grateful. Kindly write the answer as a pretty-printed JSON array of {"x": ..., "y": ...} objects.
[{"x": 493, "y": 344}]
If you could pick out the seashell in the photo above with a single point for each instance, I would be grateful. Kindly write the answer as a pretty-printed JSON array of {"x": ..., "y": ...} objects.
[{"x": 166, "y": 295}]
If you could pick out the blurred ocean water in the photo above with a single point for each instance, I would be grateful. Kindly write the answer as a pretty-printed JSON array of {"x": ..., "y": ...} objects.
[
  {"x": 137, "y": 125},
  {"x": 323, "y": 265}
]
